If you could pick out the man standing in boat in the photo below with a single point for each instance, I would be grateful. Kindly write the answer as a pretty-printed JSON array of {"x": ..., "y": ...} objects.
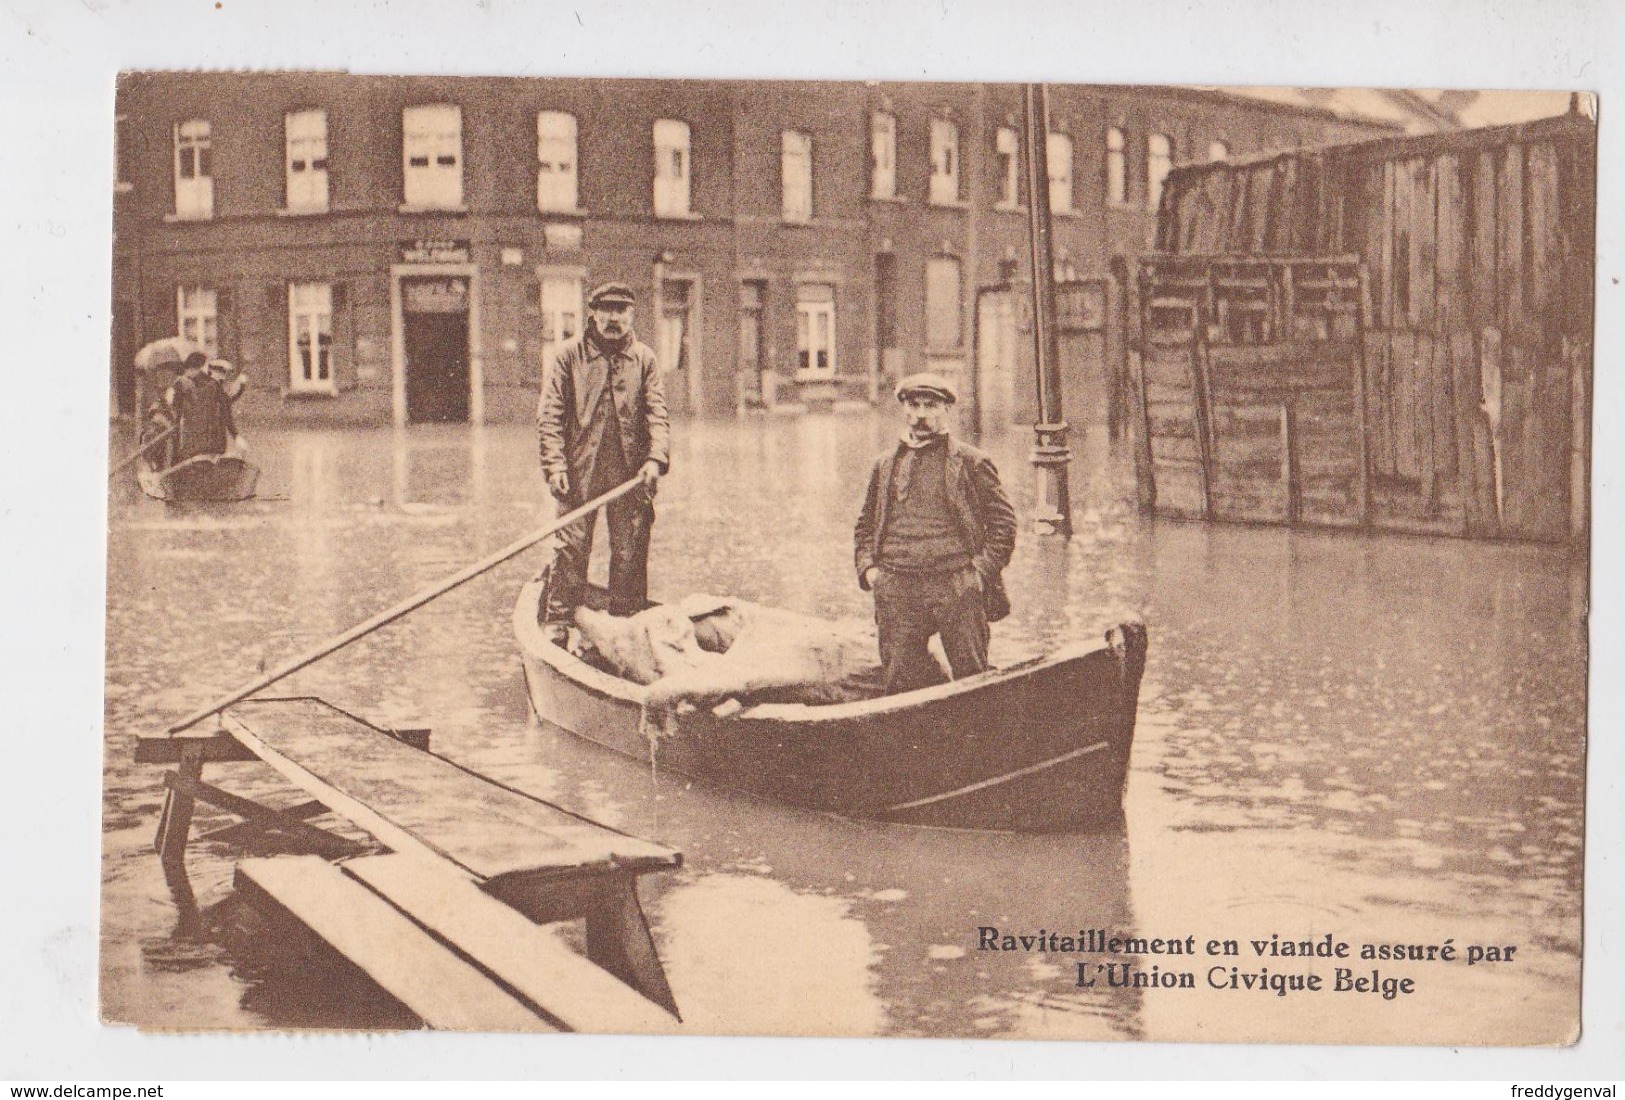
[
  {"x": 201, "y": 412},
  {"x": 602, "y": 420},
  {"x": 932, "y": 542}
]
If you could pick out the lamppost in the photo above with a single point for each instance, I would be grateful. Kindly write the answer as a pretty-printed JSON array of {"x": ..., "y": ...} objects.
[{"x": 1051, "y": 456}]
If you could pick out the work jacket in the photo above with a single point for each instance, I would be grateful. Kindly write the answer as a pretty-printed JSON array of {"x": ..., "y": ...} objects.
[
  {"x": 203, "y": 410},
  {"x": 982, "y": 512},
  {"x": 574, "y": 385}
]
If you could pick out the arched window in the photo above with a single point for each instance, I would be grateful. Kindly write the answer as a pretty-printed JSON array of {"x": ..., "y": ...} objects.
[
  {"x": 557, "y": 186},
  {"x": 1159, "y": 161},
  {"x": 1116, "y": 167},
  {"x": 194, "y": 174},
  {"x": 796, "y": 175},
  {"x": 673, "y": 167},
  {"x": 432, "y": 152},
  {"x": 1059, "y": 150},
  {"x": 883, "y": 155},
  {"x": 944, "y": 162}
]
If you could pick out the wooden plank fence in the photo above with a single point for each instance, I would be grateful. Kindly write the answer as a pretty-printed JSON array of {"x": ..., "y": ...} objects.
[{"x": 1473, "y": 397}]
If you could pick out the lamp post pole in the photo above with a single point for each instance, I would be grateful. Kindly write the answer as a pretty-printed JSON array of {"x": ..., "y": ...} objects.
[{"x": 1051, "y": 456}]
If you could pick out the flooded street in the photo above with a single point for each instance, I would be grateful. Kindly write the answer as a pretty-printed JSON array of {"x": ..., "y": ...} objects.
[{"x": 1377, "y": 738}]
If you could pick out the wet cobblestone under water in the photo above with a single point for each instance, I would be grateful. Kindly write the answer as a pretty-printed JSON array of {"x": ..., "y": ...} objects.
[{"x": 1377, "y": 737}]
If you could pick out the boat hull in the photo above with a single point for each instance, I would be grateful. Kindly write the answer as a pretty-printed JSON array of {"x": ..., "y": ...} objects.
[
  {"x": 1040, "y": 747},
  {"x": 202, "y": 479}
]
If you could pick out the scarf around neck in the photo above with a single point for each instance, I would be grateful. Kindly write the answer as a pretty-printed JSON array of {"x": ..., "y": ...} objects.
[
  {"x": 914, "y": 443},
  {"x": 606, "y": 345}
]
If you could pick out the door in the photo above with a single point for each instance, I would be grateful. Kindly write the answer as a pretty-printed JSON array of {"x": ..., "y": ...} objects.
[
  {"x": 674, "y": 344},
  {"x": 1003, "y": 358},
  {"x": 561, "y": 315},
  {"x": 435, "y": 327}
]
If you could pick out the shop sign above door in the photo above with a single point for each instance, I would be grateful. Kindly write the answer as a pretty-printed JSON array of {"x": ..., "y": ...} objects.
[{"x": 434, "y": 252}]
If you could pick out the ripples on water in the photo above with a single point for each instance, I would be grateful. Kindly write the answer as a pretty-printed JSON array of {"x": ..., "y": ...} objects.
[{"x": 1378, "y": 737}]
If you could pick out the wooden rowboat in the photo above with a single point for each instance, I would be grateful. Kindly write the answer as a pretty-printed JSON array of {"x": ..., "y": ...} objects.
[
  {"x": 1042, "y": 746},
  {"x": 201, "y": 479}
]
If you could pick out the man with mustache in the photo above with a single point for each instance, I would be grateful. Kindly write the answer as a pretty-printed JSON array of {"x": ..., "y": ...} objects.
[
  {"x": 932, "y": 541},
  {"x": 602, "y": 420}
]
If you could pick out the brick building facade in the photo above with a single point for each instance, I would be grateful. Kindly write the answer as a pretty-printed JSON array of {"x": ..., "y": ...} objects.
[{"x": 403, "y": 249}]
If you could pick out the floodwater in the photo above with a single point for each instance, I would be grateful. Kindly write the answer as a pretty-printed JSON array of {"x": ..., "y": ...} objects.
[{"x": 1371, "y": 739}]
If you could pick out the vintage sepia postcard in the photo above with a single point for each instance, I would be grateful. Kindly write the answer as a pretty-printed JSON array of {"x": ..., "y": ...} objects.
[{"x": 1077, "y": 561}]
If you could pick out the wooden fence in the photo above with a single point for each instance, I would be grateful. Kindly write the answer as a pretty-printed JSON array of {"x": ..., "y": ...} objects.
[{"x": 1474, "y": 324}]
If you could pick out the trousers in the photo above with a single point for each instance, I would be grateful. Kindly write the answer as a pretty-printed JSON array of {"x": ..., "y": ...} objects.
[
  {"x": 629, "y": 520},
  {"x": 910, "y": 607}
]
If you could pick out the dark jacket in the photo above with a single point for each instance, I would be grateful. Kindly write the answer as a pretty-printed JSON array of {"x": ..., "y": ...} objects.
[
  {"x": 980, "y": 507},
  {"x": 573, "y": 384},
  {"x": 204, "y": 414}
]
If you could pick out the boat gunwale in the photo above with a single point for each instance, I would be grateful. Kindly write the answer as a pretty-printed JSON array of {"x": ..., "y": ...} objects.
[
  {"x": 566, "y": 664},
  {"x": 156, "y": 483}
]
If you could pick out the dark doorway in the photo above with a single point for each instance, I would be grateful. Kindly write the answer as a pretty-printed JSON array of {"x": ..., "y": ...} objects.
[{"x": 435, "y": 327}]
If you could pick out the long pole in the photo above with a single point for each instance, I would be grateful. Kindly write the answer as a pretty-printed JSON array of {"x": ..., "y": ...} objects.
[
  {"x": 144, "y": 448},
  {"x": 1051, "y": 456},
  {"x": 411, "y": 603}
]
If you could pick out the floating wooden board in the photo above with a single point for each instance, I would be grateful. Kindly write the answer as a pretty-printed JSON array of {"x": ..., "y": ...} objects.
[
  {"x": 417, "y": 802},
  {"x": 443, "y": 990},
  {"x": 568, "y": 987}
]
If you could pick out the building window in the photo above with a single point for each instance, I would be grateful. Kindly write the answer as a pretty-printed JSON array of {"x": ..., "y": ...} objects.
[
  {"x": 883, "y": 155},
  {"x": 432, "y": 151},
  {"x": 196, "y": 318},
  {"x": 310, "y": 338},
  {"x": 943, "y": 315},
  {"x": 1007, "y": 148},
  {"x": 1116, "y": 167},
  {"x": 194, "y": 172},
  {"x": 1217, "y": 150},
  {"x": 815, "y": 330},
  {"x": 753, "y": 362},
  {"x": 1159, "y": 161},
  {"x": 673, "y": 168},
  {"x": 556, "y": 186},
  {"x": 561, "y": 314},
  {"x": 944, "y": 162},
  {"x": 1058, "y": 147},
  {"x": 306, "y": 137},
  {"x": 796, "y": 174}
]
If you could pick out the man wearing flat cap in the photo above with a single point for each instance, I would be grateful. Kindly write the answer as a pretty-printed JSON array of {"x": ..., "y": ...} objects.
[
  {"x": 201, "y": 412},
  {"x": 602, "y": 420},
  {"x": 931, "y": 543}
]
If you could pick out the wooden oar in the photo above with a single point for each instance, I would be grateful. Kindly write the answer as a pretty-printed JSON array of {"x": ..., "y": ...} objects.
[
  {"x": 411, "y": 603},
  {"x": 145, "y": 447}
]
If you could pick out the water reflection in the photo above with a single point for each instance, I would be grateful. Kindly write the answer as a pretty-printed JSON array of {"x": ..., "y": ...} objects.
[{"x": 1373, "y": 737}]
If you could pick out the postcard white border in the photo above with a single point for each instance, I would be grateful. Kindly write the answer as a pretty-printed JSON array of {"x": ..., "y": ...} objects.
[{"x": 58, "y": 88}]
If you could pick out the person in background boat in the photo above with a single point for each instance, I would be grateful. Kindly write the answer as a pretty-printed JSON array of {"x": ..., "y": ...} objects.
[
  {"x": 932, "y": 541},
  {"x": 201, "y": 412},
  {"x": 602, "y": 420}
]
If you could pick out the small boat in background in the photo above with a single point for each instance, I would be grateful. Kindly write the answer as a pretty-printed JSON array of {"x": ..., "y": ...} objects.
[
  {"x": 201, "y": 479},
  {"x": 1040, "y": 747}
]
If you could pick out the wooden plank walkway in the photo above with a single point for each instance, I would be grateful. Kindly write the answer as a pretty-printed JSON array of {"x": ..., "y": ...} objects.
[
  {"x": 442, "y": 989},
  {"x": 476, "y": 865},
  {"x": 415, "y": 800}
]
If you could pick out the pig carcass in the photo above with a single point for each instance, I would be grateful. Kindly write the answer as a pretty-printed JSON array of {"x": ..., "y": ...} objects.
[{"x": 705, "y": 649}]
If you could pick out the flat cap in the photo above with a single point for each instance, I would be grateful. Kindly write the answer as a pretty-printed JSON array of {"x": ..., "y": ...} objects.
[
  {"x": 612, "y": 294},
  {"x": 927, "y": 382}
]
